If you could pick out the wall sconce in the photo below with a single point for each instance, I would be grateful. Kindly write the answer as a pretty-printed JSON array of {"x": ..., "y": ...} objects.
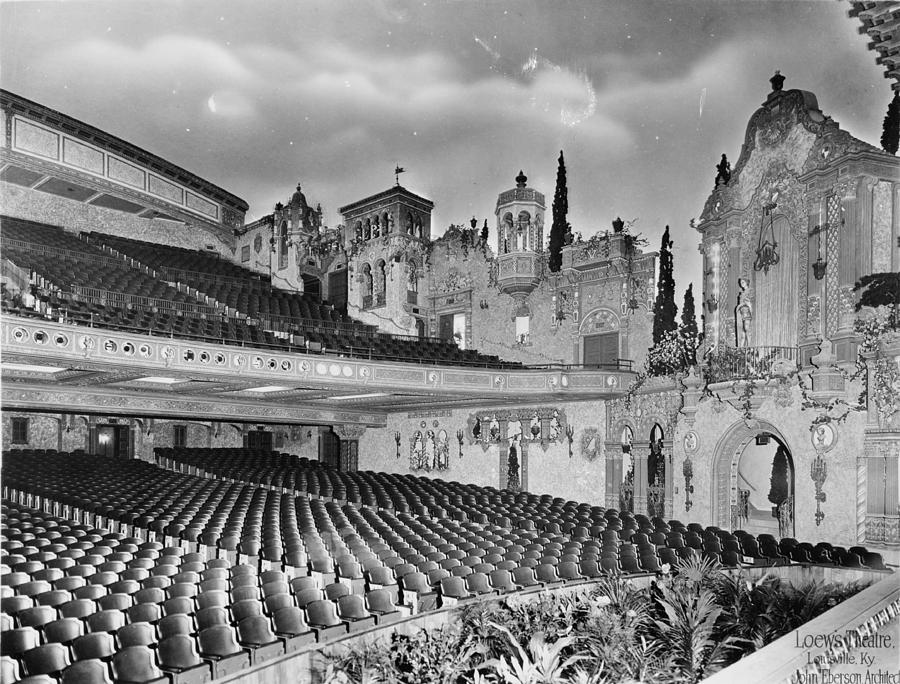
[
  {"x": 819, "y": 267},
  {"x": 818, "y": 470},
  {"x": 570, "y": 435},
  {"x": 397, "y": 440},
  {"x": 483, "y": 304},
  {"x": 688, "y": 470},
  {"x": 460, "y": 434}
]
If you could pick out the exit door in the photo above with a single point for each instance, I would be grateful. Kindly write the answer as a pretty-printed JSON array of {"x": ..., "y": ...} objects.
[
  {"x": 445, "y": 327},
  {"x": 330, "y": 449},
  {"x": 113, "y": 441}
]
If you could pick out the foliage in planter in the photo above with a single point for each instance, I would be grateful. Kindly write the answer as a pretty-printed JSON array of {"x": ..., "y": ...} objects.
[
  {"x": 442, "y": 656},
  {"x": 686, "y": 626}
]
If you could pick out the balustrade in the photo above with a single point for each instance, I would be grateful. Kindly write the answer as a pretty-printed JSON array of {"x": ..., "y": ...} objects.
[{"x": 723, "y": 364}]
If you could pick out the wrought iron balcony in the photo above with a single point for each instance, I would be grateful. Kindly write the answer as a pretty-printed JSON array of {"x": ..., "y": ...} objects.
[
  {"x": 373, "y": 300},
  {"x": 724, "y": 364}
]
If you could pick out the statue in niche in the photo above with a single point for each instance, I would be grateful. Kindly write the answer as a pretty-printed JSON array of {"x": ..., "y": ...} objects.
[
  {"x": 390, "y": 223},
  {"x": 723, "y": 171},
  {"x": 476, "y": 429},
  {"x": 535, "y": 426},
  {"x": 495, "y": 429},
  {"x": 743, "y": 316},
  {"x": 555, "y": 426},
  {"x": 376, "y": 228},
  {"x": 429, "y": 456}
]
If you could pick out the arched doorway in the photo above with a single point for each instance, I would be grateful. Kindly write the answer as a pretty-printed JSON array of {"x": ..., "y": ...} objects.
[{"x": 753, "y": 480}]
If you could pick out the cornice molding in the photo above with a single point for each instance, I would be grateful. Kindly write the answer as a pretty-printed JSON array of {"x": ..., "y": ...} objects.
[{"x": 16, "y": 104}]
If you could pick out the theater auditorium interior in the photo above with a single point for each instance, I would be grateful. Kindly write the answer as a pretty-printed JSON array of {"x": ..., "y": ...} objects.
[{"x": 230, "y": 446}]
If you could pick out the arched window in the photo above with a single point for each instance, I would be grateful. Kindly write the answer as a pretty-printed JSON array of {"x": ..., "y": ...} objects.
[
  {"x": 283, "y": 244},
  {"x": 524, "y": 223},
  {"x": 413, "y": 275},
  {"x": 378, "y": 276},
  {"x": 627, "y": 439},
  {"x": 655, "y": 462},
  {"x": 366, "y": 280}
]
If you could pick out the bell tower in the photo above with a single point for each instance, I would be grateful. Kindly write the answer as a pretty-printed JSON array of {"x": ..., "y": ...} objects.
[{"x": 520, "y": 230}]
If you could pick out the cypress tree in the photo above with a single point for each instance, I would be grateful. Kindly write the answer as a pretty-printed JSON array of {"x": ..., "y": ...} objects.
[
  {"x": 778, "y": 480},
  {"x": 689, "y": 332},
  {"x": 560, "y": 208},
  {"x": 664, "y": 308},
  {"x": 890, "y": 134},
  {"x": 484, "y": 231}
]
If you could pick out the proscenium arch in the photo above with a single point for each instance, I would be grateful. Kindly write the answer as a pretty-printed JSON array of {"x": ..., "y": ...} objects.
[{"x": 728, "y": 451}]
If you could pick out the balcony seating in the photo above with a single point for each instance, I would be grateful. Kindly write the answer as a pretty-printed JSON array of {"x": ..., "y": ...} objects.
[{"x": 144, "y": 287}]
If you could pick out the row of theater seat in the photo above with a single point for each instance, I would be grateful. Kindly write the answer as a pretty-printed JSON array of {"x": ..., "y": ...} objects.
[
  {"x": 277, "y": 527},
  {"x": 229, "y": 283},
  {"x": 355, "y": 566},
  {"x": 145, "y": 614}
]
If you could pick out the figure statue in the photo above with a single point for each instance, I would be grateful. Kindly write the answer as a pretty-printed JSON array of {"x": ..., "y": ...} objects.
[
  {"x": 723, "y": 169},
  {"x": 743, "y": 318},
  {"x": 618, "y": 225}
]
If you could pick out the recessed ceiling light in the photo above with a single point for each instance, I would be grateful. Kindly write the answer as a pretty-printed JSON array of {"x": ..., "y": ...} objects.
[
  {"x": 361, "y": 396},
  {"x": 269, "y": 388},
  {"x": 29, "y": 368}
]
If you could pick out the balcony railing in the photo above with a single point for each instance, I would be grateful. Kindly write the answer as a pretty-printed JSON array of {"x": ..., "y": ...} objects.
[
  {"x": 724, "y": 364},
  {"x": 373, "y": 300}
]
